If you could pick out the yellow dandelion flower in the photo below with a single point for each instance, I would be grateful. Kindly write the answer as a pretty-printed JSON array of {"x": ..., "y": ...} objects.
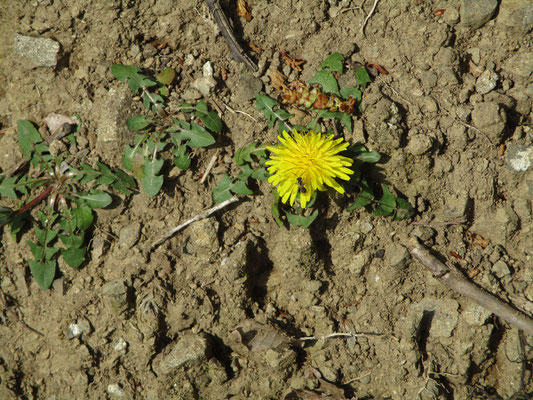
[{"x": 306, "y": 162}]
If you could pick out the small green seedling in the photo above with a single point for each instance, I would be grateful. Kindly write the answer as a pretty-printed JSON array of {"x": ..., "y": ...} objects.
[
  {"x": 71, "y": 194},
  {"x": 158, "y": 132}
]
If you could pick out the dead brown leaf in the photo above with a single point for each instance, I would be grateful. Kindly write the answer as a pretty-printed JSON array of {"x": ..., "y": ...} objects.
[
  {"x": 254, "y": 48},
  {"x": 476, "y": 240},
  {"x": 294, "y": 63},
  {"x": 277, "y": 80},
  {"x": 243, "y": 10}
]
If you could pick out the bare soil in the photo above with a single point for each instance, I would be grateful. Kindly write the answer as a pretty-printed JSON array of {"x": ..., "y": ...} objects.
[{"x": 180, "y": 323}]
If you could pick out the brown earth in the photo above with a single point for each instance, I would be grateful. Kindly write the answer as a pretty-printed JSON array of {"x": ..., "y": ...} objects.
[{"x": 164, "y": 326}]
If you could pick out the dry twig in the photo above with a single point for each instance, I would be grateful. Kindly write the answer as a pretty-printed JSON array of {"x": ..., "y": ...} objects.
[
  {"x": 368, "y": 16},
  {"x": 455, "y": 280},
  {"x": 202, "y": 215}
]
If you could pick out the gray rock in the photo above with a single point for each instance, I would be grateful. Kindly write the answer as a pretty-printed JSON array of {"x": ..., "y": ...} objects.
[
  {"x": 475, "y": 13},
  {"x": 189, "y": 350},
  {"x": 451, "y": 16},
  {"x": 112, "y": 110},
  {"x": 440, "y": 314},
  {"x": 424, "y": 233},
  {"x": 486, "y": 82},
  {"x": 519, "y": 157},
  {"x": 245, "y": 88},
  {"x": 82, "y": 326},
  {"x": 520, "y": 64},
  {"x": 129, "y": 235},
  {"x": 115, "y": 390},
  {"x": 516, "y": 14},
  {"x": 475, "y": 315},
  {"x": 455, "y": 207},
  {"x": 42, "y": 52},
  {"x": 491, "y": 119},
  {"x": 116, "y": 295},
  {"x": 358, "y": 262},
  {"x": 396, "y": 255},
  {"x": 500, "y": 269},
  {"x": 419, "y": 144}
]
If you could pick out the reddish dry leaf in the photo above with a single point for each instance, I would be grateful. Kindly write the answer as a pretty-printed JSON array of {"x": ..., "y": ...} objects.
[
  {"x": 254, "y": 48},
  {"x": 501, "y": 150},
  {"x": 476, "y": 240},
  {"x": 439, "y": 12},
  {"x": 454, "y": 254},
  {"x": 294, "y": 63},
  {"x": 380, "y": 69},
  {"x": 223, "y": 73},
  {"x": 277, "y": 80},
  {"x": 243, "y": 10},
  {"x": 474, "y": 273}
]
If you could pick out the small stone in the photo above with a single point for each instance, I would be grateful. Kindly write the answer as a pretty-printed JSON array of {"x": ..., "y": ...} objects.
[
  {"x": 396, "y": 255},
  {"x": 500, "y": 269},
  {"x": 245, "y": 88},
  {"x": 42, "y": 52},
  {"x": 129, "y": 235},
  {"x": 457, "y": 136},
  {"x": 475, "y": 13},
  {"x": 451, "y": 16},
  {"x": 516, "y": 14},
  {"x": 475, "y": 55},
  {"x": 206, "y": 83},
  {"x": 491, "y": 119},
  {"x": 424, "y": 233},
  {"x": 188, "y": 350},
  {"x": 82, "y": 326},
  {"x": 430, "y": 105},
  {"x": 498, "y": 226},
  {"x": 486, "y": 82},
  {"x": 358, "y": 262},
  {"x": 115, "y": 390},
  {"x": 455, "y": 207},
  {"x": 520, "y": 64},
  {"x": 419, "y": 144},
  {"x": 519, "y": 157},
  {"x": 116, "y": 295},
  {"x": 119, "y": 345}
]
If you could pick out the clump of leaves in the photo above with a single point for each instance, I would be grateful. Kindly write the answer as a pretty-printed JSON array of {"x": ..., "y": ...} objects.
[
  {"x": 158, "y": 132},
  {"x": 71, "y": 195},
  {"x": 251, "y": 160}
]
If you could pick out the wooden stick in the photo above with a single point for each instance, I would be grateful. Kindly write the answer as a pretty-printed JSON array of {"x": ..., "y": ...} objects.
[
  {"x": 455, "y": 280},
  {"x": 202, "y": 215}
]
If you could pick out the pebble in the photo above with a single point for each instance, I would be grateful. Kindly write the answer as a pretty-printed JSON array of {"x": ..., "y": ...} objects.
[
  {"x": 42, "y": 52},
  {"x": 396, "y": 256},
  {"x": 486, "y": 82},
  {"x": 119, "y": 345},
  {"x": 520, "y": 64},
  {"x": 115, "y": 390},
  {"x": 457, "y": 136},
  {"x": 500, "y": 269},
  {"x": 455, "y": 207},
  {"x": 476, "y": 13},
  {"x": 79, "y": 328},
  {"x": 498, "y": 226},
  {"x": 206, "y": 83},
  {"x": 419, "y": 144},
  {"x": 519, "y": 157},
  {"x": 116, "y": 295},
  {"x": 451, "y": 16},
  {"x": 491, "y": 119},
  {"x": 112, "y": 109},
  {"x": 245, "y": 88},
  {"x": 516, "y": 14},
  {"x": 358, "y": 262},
  {"x": 190, "y": 349},
  {"x": 129, "y": 235},
  {"x": 475, "y": 315},
  {"x": 424, "y": 233}
]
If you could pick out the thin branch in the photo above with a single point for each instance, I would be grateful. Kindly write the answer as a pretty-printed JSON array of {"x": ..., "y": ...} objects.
[
  {"x": 455, "y": 280},
  {"x": 202, "y": 215},
  {"x": 234, "y": 47},
  {"x": 339, "y": 334},
  {"x": 368, "y": 16},
  {"x": 209, "y": 166}
]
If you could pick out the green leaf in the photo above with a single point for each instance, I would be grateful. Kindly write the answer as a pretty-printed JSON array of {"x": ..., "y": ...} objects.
[
  {"x": 84, "y": 216},
  {"x": 151, "y": 182},
  {"x": 28, "y": 135},
  {"x": 244, "y": 154},
  {"x": 266, "y": 105},
  {"x": 355, "y": 93},
  {"x": 223, "y": 190},
  {"x": 212, "y": 121},
  {"x": 328, "y": 82},
  {"x": 181, "y": 158},
  {"x": 138, "y": 122},
  {"x": 241, "y": 188},
  {"x": 166, "y": 77},
  {"x": 7, "y": 188},
  {"x": 368, "y": 156},
  {"x": 45, "y": 236},
  {"x": 275, "y": 209},
  {"x": 361, "y": 200},
  {"x": 334, "y": 62},
  {"x": 346, "y": 120},
  {"x": 74, "y": 257},
  {"x": 196, "y": 135},
  {"x": 405, "y": 209},
  {"x": 43, "y": 272},
  {"x": 72, "y": 240},
  {"x": 260, "y": 174},
  {"x": 387, "y": 203},
  {"x": 300, "y": 220},
  {"x": 124, "y": 182},
  {"x": 132, "y": 75},
  {"x": 362, "y": 77},
  {"x": 96, "y": 199},
  {"x": 6, "y": 215}
]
